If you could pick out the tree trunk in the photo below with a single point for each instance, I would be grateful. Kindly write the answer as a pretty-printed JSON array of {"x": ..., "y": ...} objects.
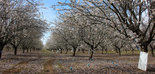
[
  {"x": 152, "y": 7},
  {"x": 0, "y": 53},
  {"x": 126, "y": 51},
  {"x": 102, "y": 50},
  {"x": 106, "y": 50},
  {"x": 27, "y": 50},
  {"x": 1, "y": 49},
  {"x": 34, "y": 49},
  {"x": 30, "y": 50},
  {"x": 92, "y": 52},
  {"x": 91, "y": 56},
  {"x": 119, "y": 50},
  {"x": 74, "y": 51},
  {"x": 83, "y": 50},
  {"x": 23, "y": 50},
  {"x": 116, "y": 50},
  {"x": 60, "y": 50},
  {"x": 152, "y": 52},
  {"x": 145, "y": 48},
  {"x": 66, "y": 51},
  {"x": 8, "y": 49},
  {"x": 15, "y": 50}
]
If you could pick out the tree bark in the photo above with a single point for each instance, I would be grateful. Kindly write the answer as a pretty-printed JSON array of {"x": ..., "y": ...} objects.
[
  {"x": 102, "y": 50},
  {"x": 83, "y": 50},
  {"x": 116, "y": 50},
  {"x": 152, "y": 51},
  {"x": 0, "y": 53},
  {"x": 106, "y": 50},
  {"x": 126, "y": 51},
  {"x": 8, "y": 49},
  {"x": 74, "y": 51},
  {"x": 1, "y": 49},
  {"x": 60, "y": 50},
  {"x": 91, "y": 56},
  {"x": 30, "y": 50},
  {"x": 23, "y": 50},
  {"x": 92, "y": 52},
  {"x": 66, "y": 51},
  {"x": 27, "y": 50},
  {"x": 145, "y": 48},
  {"x": 15, "y": 50},
  {"x": 119, "y": 50}
]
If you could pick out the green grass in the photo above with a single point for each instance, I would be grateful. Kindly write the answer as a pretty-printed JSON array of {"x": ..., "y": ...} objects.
[
  {"x": 46, "y": 51},
  {"x": 99, "y": 52}
]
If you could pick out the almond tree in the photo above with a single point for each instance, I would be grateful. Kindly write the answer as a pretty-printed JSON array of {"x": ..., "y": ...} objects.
[
  {"x": 15, "y": 16},
  {"x": 7, "y": 22},
  {"x": 125, "y": 16},
  {"x": 92, "y": 33},
  {"x": 69, "y": 34}
]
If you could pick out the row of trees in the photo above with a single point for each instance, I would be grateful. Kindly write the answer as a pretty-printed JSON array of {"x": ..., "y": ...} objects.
[
  {"x": 20, "y": 25},
  {"x": 117, "y": 24}
]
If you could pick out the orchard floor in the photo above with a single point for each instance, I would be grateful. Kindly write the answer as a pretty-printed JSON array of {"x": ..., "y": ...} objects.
[{"x": 46, "y": 62}]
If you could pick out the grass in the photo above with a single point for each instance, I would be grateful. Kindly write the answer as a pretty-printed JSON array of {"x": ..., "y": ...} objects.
[
  {"x": 46, "y": 51},
  {"x": 99, "y": 52},
  {"x": 96, "y": 52}
]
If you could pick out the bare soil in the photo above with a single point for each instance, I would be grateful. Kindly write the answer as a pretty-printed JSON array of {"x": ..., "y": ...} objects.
[{"x": 46, "y": 62}]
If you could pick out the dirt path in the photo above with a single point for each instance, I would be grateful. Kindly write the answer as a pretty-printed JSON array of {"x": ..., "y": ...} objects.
[
  {"x": 16, "y": 68},
  {"x": 48, "y": 69}
]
